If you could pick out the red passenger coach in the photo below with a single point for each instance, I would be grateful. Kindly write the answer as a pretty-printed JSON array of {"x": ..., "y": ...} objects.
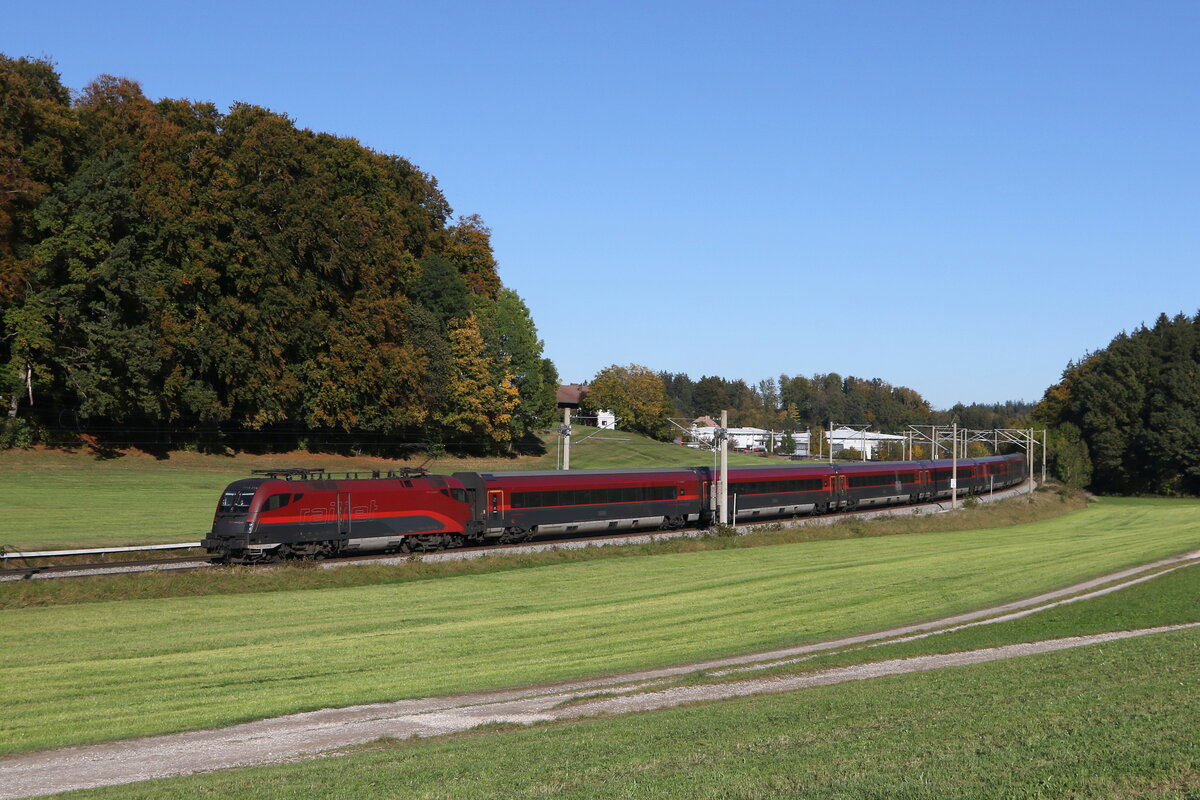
[
  {"x": 883, "y": 483},
  {"x": 515, "y": 506},
  {"x": 781, "y": 491}
]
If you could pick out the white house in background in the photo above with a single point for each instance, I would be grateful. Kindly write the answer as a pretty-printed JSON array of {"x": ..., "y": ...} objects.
[
  {"x": 862, "y": 441},
  {"x": 703, "y": 429},
  {"x": 606, "y": 420}
]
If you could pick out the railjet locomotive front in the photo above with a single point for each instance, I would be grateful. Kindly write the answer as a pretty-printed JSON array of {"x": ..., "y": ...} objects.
[{"x": 292, "y": 513}]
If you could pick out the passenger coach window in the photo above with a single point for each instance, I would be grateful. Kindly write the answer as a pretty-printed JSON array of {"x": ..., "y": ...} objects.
[
  {"x": 583, "y": 497},
  {"x": 777, "y": 487},
  {"x": 871, "y": 480}
]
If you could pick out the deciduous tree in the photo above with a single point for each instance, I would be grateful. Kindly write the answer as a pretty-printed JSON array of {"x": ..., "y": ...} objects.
[{"x": 635, "y": 394}]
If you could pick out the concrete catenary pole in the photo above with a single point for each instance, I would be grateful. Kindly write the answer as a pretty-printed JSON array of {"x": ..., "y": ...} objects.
[
  {"x": 566, "y": 431},
  {"x": 954, "y": 467},
  {"x": 1029, "y": 459},
  {"x": 723, "y": 478},
  {"x": 1045, "y": 441}
]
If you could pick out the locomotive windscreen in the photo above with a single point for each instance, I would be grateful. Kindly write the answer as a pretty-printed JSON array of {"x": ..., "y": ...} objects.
[{"x": 236, "y": 501}]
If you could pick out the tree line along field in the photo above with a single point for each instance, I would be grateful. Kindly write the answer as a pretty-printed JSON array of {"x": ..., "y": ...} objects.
[
  {"x": 98, "y": 671},
  {"x": 65, "y": 500}
]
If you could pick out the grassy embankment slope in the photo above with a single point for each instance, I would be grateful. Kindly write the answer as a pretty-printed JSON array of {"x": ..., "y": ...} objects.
[
  {"x": 61, "y": 500},
  {"x": 106, "y": 670},
  {"x": 1114, "y": 721}
]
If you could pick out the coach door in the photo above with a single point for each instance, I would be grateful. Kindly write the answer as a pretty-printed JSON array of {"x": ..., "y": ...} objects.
[
  {"x": 495, "y": 505},
  {"x": 839, "y": 491}
]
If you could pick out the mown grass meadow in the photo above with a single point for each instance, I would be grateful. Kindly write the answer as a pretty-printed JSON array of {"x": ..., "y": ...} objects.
[
  {"x": 107, "y": 670},
  {"x": 1112, "y": 721}
]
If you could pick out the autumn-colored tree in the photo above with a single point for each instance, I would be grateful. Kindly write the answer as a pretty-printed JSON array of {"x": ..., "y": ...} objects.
[
  {"x": 514, "y": 350},
  {"x": 38, "y": 148},
  {"x": 38, "y": 142},
  {"x": 469, "y": 245},
  {"x": 478, "y": 410},
  {"x": 161, "y": 262},
  {"x": 635, "y": 394}
]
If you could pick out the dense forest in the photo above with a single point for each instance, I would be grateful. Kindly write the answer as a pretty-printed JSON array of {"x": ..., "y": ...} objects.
[
  {"x": 1126, "y": 419},
  {"x": 166, "y": 266}
]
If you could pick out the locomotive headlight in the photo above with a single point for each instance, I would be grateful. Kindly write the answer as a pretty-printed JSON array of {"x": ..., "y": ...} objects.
[{"x": 249, "y": 527}]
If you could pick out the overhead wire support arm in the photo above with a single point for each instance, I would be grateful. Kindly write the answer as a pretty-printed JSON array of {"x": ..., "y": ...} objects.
[
  {"x": 689, "y": 433},
  {"x": 597, "y": 432}
]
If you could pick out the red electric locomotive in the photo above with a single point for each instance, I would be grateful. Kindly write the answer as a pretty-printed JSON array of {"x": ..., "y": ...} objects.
[{"x": 300, "y": 512}]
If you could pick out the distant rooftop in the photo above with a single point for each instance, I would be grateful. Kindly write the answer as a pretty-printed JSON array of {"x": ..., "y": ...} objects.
[{"x": 569, "y": 395}]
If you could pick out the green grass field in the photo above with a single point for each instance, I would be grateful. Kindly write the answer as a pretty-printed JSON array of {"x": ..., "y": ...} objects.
[
  {"x": 1106, "y": 721},
  {"x": 106, "y": 670},
  {"x": 1172, "y": 598},
  {"x": 60, "y": 500}
]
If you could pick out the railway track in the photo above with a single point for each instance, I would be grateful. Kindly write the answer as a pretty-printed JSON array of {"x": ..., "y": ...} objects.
[
  {"x": 184, "y": 563},
  {"x": 51, "y": 571}
]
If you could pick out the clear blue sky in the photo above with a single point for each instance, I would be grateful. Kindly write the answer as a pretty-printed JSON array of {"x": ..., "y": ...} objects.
[{"x": 957, "y": 197}]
